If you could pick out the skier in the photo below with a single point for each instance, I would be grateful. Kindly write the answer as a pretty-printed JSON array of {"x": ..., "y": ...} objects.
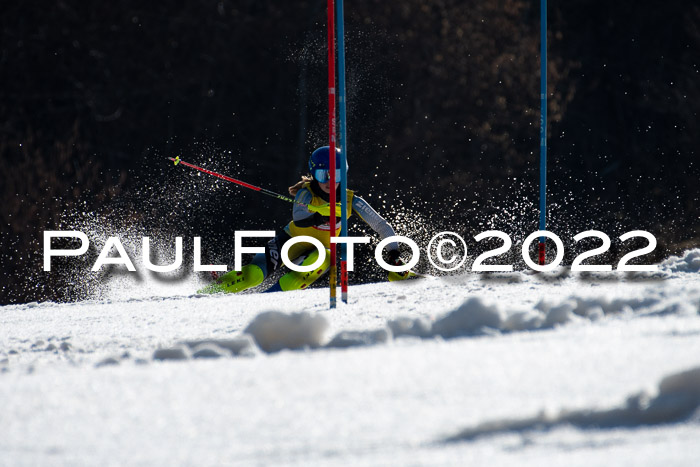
[{"x": 313, "y": 191}]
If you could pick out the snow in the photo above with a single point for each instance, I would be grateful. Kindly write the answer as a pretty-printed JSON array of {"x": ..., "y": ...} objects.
[
  {"x": 678, "y": 399},
  {"x": 274, "y": 330},
  {"x": 491, "y": 369},
  {"x": 689, "y": 262}
]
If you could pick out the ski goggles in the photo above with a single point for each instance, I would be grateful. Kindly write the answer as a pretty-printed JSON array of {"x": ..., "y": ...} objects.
[{"x": 323, "y": 175}]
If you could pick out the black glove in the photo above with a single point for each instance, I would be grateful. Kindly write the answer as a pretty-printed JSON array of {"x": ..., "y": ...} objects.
[
  {"x": 320, "y": 220},
  {"x": 394, "y": 258},
  {"x": 316, "y": 219}
]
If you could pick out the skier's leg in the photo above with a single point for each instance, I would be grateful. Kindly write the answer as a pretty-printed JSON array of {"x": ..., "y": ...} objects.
[
  {"x": 295, "y": 280},
  {"x": 252, "y": 274},
  {"x": 249, "y": 276}
]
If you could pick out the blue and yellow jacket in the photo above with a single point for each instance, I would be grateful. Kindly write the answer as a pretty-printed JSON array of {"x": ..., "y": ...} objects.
[{"x": 306, "y": 222}]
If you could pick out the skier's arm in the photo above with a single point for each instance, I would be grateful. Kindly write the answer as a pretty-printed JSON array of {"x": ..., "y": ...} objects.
[
  {"x": 375, "y": 221},
  {"x": 301, "y": 215}
]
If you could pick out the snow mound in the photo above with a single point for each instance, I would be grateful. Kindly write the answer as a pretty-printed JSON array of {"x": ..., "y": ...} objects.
[
  {"x": 274, "y": 331},
  {"x": 689, "y": 262},
  {"x": 415, "y": 327},
  {"x": 208, "y": 348},
  {"x": 180, "y": 352},
  {"x": 476, "y": 316},
  {"x": 109, "y": 361},
  {"x": 594, "y": 308},
  {"x": 471, "y": 317},
  {"x": 677, "y": 400},
  {"x": 524, "y": 321},
  {"x": 360, "y": 338},
  {"x": 236, "y": 346}
]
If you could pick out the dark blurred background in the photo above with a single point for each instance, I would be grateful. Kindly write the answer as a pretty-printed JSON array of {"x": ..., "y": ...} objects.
[{"x": 443, "y": 121}]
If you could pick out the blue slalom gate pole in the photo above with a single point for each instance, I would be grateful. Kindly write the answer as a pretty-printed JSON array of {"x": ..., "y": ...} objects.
[
  {"x": 332, "y": 141},
  {"x": 343, "y": 151},
  {"x": 543, "y": 125}
]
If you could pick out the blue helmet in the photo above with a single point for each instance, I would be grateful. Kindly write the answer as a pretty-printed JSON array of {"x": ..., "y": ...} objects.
[{"x": 319, "y": 164}]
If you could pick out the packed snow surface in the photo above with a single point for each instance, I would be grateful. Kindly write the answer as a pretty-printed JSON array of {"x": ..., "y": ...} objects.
[{"x": 491, "y": 369}]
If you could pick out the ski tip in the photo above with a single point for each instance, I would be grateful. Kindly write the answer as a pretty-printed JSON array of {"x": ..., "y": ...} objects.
[{"x": 176, "y": 160}]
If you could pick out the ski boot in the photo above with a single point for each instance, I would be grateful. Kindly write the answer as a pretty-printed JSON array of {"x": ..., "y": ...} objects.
[
  {"x": 295, "y": 280},
  {"x": 402, "y": 276},
  {"x": 395, "y": 260},
  {"x": 236, "y": 281}
]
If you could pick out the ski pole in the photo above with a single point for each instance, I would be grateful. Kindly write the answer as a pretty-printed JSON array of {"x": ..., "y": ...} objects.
[
  {"x": 324, "y": 210},
  {"x": 237, "y": 182}
]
